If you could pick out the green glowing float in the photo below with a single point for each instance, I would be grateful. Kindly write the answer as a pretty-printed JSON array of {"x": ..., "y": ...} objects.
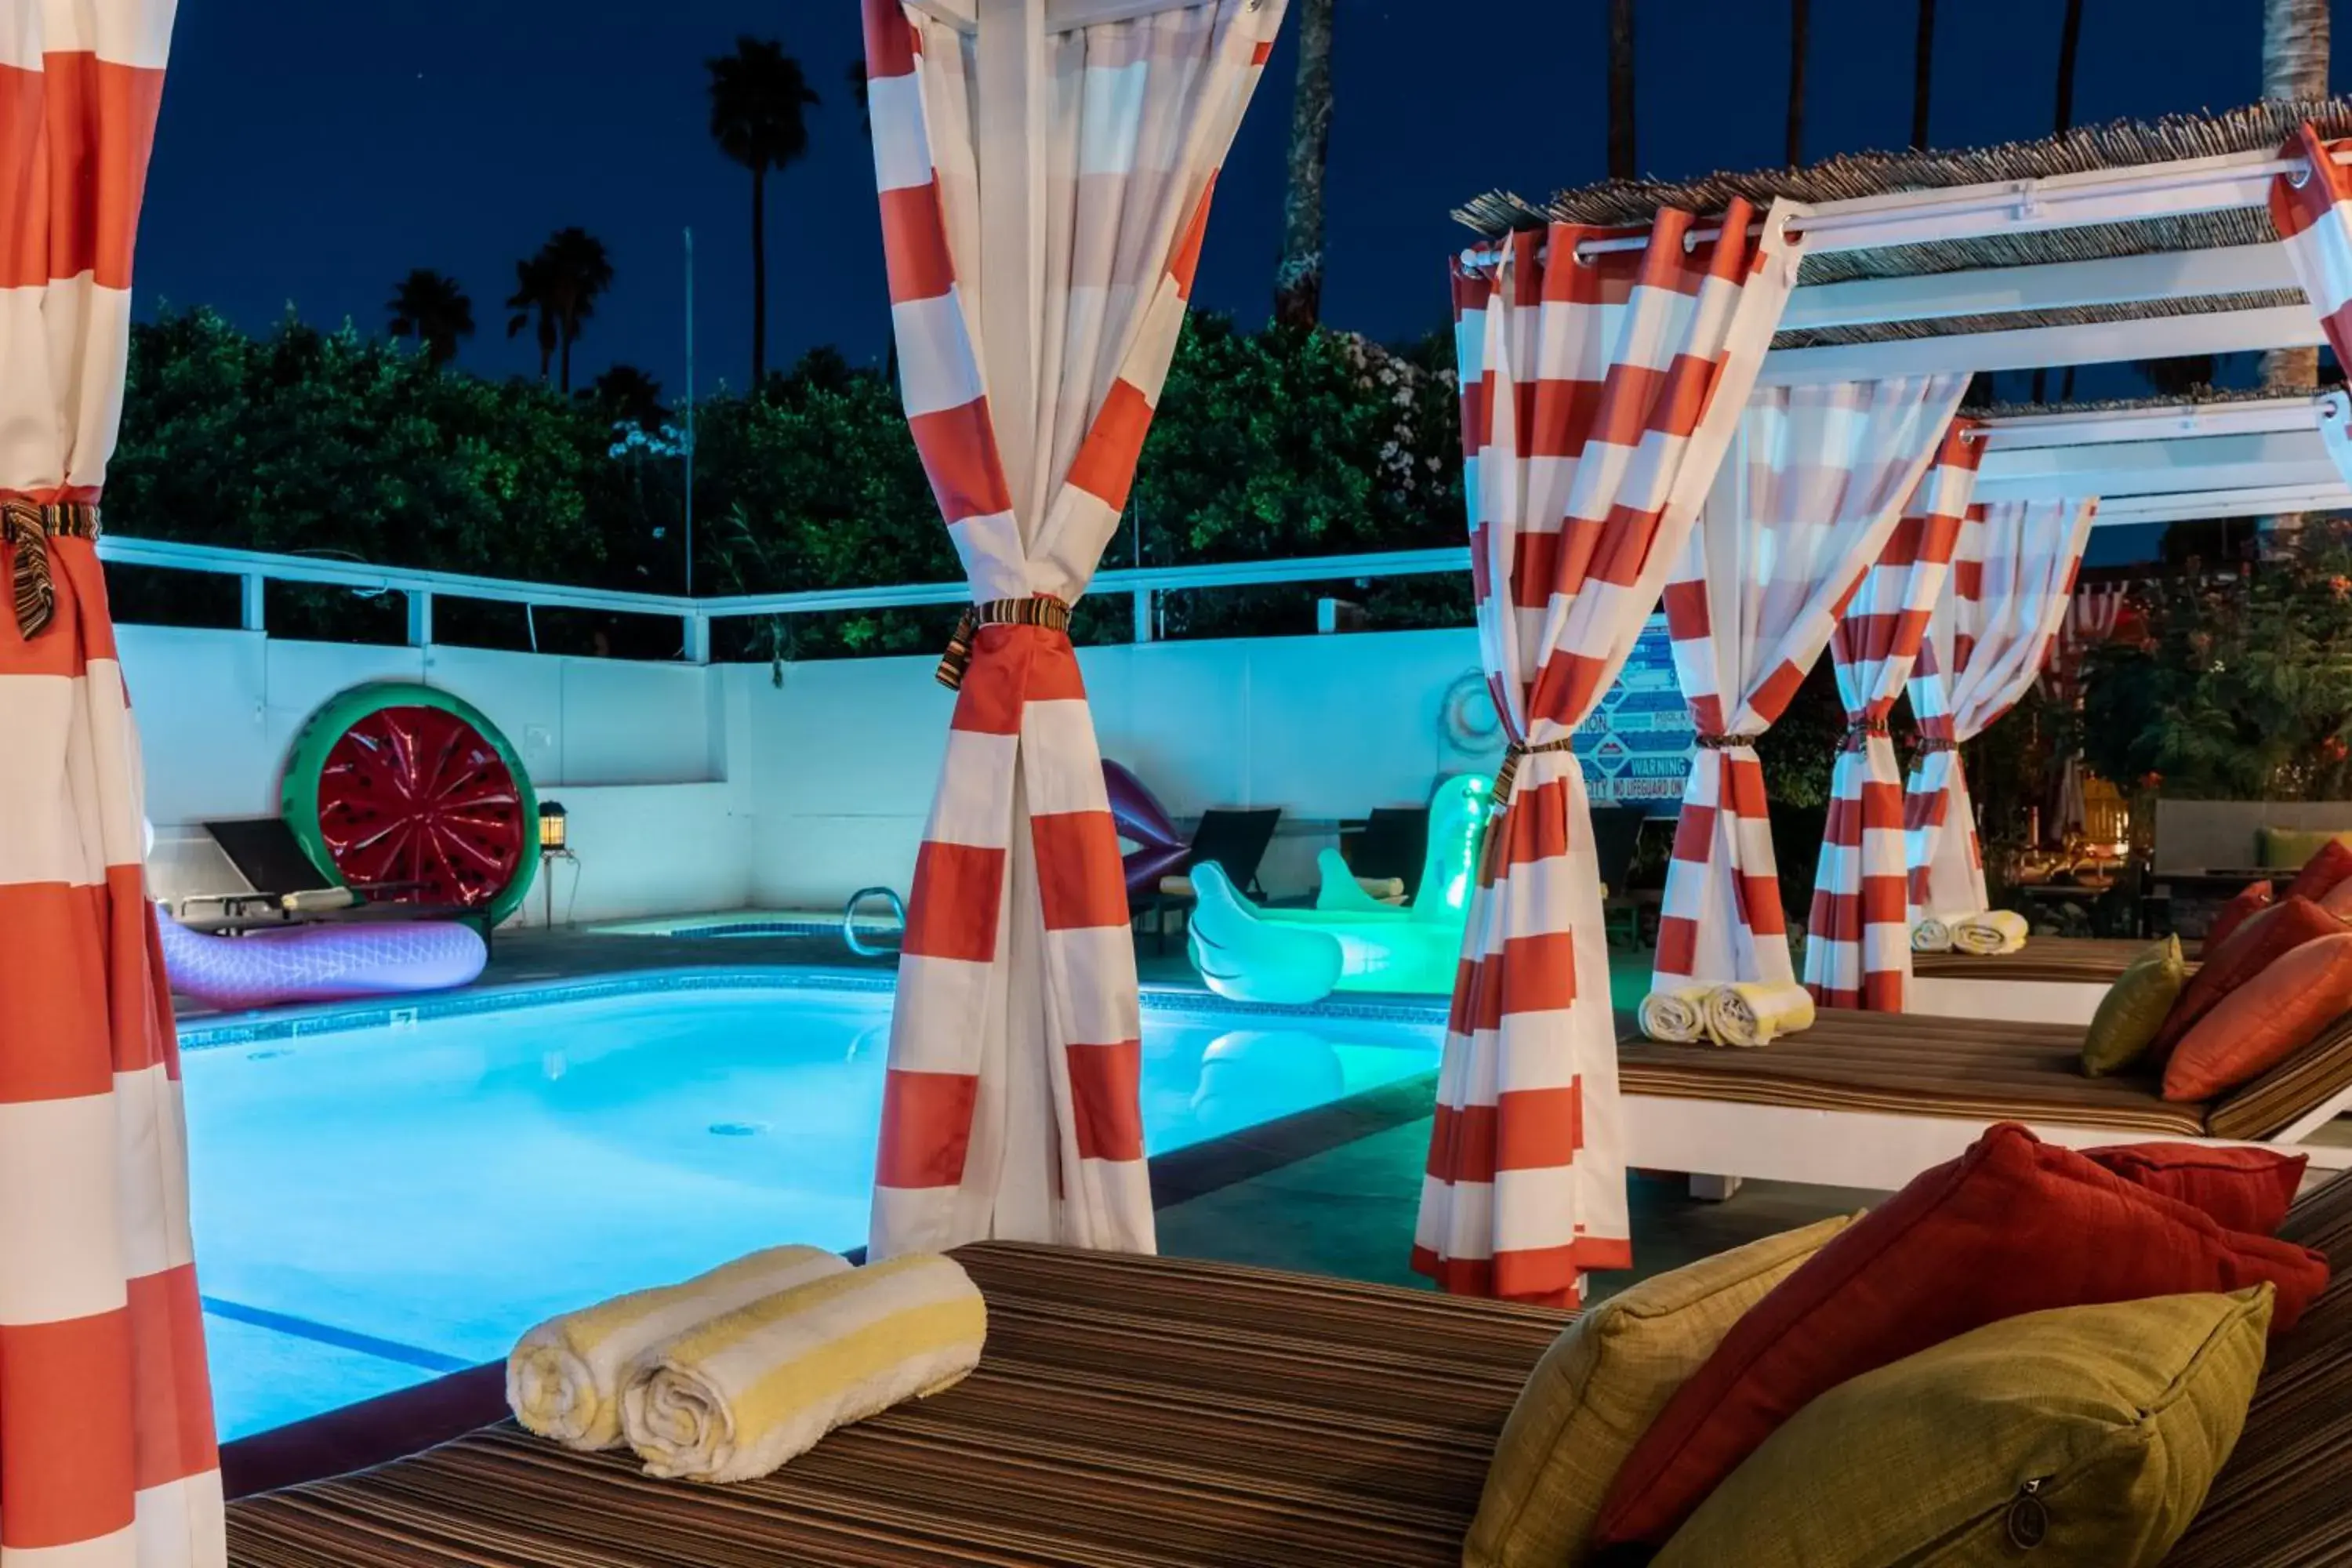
[{"x": 1350, "y": 941}]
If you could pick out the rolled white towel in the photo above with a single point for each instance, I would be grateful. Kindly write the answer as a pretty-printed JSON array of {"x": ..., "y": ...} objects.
[
  {"x": 564, "y": 1377},
  {"x": 1991, "y": 933},
  {"x": 1756, "y": 1012},
  {"x": 735, "y": 1398},
  {"x": 1677, "y": 1016},
  {"x": 1931, "y": 933}
]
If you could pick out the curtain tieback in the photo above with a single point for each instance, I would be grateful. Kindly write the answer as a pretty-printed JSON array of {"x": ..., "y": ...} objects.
[
  {"x": 1858, "y": 733},
  {"x": 28, "y": 526},
  {"x": 1043, "y": 610},
  {"x": 1510, "y": 768},
  {"x": 1927, "y": 743},
  {"x": 1725, "y": 742}
]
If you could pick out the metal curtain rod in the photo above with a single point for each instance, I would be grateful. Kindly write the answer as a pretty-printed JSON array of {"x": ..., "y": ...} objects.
[{"x": 2020, "y": 194}]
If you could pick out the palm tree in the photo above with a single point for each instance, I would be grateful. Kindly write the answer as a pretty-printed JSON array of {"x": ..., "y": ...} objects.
[
  {"x": 1923, "y": 71},
  {"x": 1801, "y": 37},
  {"x": 629, "y": 395},
  {"x": 534, "y": 300},
  {"x": 431, "y": 307},
  {"x": 758, "y": 102},
  {"x": 2294, "y": 68},
  {"x": 1623, "y": 161},
  {"x": 859, "y": 91},
  {"x": 2070, "y": 44},
  {"x": 1298, "y": 281},
  {"x": 558, "y": 288}
]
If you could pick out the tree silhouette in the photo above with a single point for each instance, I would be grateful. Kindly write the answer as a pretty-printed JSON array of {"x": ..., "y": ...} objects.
[
  {"x": 556, "y": 291},
  {"x": 1298, "y": 280},
  {"x": 759, "y": 99},
  {"x": 859, "y": 91},
  {"x": 431, "y": 307},
  {"x": 1624, "y": 159},
  {"x": 629, "y": 395},
  {"x": 1800, "y": 41},
  {"x": 1923, "y": 71}
]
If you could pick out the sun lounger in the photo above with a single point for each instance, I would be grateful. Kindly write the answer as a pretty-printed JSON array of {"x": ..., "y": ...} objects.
[
  {"x": 1154, "y": 1413},
  {"x": 1870, "y": 1100},
  {"x": 2052, "y": 980}
]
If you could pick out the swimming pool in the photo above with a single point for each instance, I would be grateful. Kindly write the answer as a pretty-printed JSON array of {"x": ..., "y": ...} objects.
[{"x": 385, "y": 1194}]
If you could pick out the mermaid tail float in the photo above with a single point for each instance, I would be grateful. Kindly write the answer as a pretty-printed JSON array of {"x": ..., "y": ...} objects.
[
  {"x": 327, "y": 962},
  {"x": 1350, "y": 941}
]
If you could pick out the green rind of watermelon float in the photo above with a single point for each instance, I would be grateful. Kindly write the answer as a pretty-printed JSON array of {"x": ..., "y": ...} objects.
[{"x": 398, "y": 783}]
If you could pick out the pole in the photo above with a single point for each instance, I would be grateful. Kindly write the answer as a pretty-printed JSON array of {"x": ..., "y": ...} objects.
[{"x": 689, "y": 413}]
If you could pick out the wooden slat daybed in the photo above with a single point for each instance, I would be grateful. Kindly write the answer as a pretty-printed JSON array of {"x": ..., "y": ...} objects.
[
  {"x": 1870, "y": 1100},
  {"x": 2052, "y": 979},
  {"x": 1152, "y": 1413}
]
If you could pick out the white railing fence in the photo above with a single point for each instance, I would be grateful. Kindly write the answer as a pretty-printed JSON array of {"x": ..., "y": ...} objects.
[{"x": 254, "y": 569}]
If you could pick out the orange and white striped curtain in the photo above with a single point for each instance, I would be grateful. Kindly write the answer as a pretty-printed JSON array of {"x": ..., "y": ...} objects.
[
  {"x": 2313, "y": 215},
  {"x": 1599, "y": 393},
  {"x": 107, "y": 1454},
  {"x": 2011, "y": 586},
  {"x": 1858, "y": 947},
  {"x": 1815, "y": 482},
  {"x": 1013, "y": 1104}
]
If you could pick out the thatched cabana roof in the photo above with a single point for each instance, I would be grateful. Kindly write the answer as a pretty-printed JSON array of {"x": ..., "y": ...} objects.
[{"x": 2118, "y": 145}]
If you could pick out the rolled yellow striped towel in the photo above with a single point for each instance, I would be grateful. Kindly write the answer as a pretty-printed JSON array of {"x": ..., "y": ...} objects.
[
  {"x": 564, "y": 1377},
  {"x": 1755, "y": 1012},
  {"x": 1931, "y": 933},
  {"x": 1993, "y": 931},
  {"x": 1676, "y": 1016},
  {"x": 739, "y": 1395}
]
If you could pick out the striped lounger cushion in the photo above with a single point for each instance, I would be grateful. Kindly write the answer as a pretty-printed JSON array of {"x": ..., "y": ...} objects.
[
  {"x": 1147, "y": 1413},
  {"x": 1977, "y": 1068}
]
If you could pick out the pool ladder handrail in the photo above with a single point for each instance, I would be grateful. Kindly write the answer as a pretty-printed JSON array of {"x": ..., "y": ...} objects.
[{"x": 849, "y": 920}]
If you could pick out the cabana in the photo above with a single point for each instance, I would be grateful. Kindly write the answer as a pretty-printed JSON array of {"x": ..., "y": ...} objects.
[{"x": 1871, "y": 289}]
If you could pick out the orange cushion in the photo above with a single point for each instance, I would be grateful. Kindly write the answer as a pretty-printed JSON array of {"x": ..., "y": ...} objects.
[
  {"x": 2266, "y": 933},
  {"x": 2330, "y": 866},
  {"x": 2337, "y": 900},
  {"x": 2243, "y": 1189},
  {"x": 2264, "y": 1021},
  {"x": 2251, "y": 899}
]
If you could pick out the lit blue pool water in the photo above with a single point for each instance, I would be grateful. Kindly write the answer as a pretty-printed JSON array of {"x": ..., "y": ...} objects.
[{"x": 376, "y": 1205}]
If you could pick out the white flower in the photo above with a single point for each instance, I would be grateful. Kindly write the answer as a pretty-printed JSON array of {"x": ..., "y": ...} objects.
[
  {"x": 1387, "y": 376},
  {"x": 1388, "y": 450},
  {"x": 1403, "y": 398}
]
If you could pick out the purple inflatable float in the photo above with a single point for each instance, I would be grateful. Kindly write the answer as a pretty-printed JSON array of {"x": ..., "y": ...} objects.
[
  {"x": 1141, "y": 818},
  {"x": 327, "y": 962}
]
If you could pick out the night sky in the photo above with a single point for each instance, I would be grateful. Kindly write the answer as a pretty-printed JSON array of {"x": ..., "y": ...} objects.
[{"x": 313, "y": 153}]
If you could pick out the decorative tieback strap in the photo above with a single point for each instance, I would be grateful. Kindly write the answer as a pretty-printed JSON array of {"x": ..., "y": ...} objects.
[
  {"x": 1044, "y": 610},
  {"x": 1726, "y": 742},
  {"x": 1510, "y": 768},
  {"x": 28, "y": 526},
  {"x": 1927, "y": 743},
  {"x": 1858, "y": 733}
]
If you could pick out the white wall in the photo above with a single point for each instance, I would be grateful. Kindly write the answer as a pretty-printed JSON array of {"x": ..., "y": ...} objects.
[
  {"x": 636, "y": 752},
  {"x": 847, "y": 755},
  {"x": 694, "y": 789}
]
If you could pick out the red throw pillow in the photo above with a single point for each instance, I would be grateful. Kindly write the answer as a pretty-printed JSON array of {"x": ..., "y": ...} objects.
[
  {"x": 2243, "y": 1189},
  {"x": 2265, "y": 1021},
  {"x": 2013, "y": 1225},
  {"x": 2252, "y": 899},
  {"x": 2337, "y": 900},
  {"x": 2329, "y": 866},
  {"x": 2266, "y": 933}
]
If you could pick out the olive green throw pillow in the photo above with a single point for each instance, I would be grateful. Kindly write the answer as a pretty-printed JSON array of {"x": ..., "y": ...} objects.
[
  {"x": 1597, "y": 1389},
  {"x": 2087, "y": 1435},
  {"x": 2133, "y": 1010}
]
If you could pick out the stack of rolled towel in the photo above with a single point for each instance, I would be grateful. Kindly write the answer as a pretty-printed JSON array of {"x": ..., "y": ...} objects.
[
  {"x": 1745, "y": 1013},
  {"x": 1985, "y": 934},
  {"x": 729, "y": 1374}
]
